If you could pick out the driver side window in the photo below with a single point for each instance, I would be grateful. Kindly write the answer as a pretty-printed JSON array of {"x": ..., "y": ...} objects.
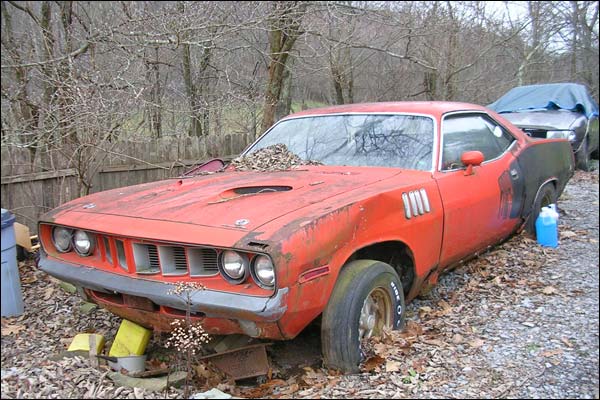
[{"x": 471, "y": 132}]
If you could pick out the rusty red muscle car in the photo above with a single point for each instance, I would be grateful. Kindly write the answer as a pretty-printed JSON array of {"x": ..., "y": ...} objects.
[{"x": 404, "y": 191}]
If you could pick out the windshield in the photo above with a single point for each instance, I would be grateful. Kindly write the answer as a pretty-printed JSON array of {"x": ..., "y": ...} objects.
[{"x": 402, "y": 141}]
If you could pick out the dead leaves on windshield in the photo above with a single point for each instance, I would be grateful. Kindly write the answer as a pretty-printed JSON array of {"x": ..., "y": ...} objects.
[{"x": 276, "y": 157}]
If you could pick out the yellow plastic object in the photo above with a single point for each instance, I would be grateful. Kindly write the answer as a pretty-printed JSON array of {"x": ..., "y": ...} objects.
[
  {"x": 131, "y": 340},
  {"x": 81, "y": 341}
]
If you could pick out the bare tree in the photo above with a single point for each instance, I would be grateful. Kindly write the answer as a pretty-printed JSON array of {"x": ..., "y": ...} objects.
[{"x": 284, "y": 29}]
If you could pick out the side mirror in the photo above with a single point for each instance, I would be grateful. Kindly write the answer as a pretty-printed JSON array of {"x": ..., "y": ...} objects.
[{"x": 471, "y": 159}]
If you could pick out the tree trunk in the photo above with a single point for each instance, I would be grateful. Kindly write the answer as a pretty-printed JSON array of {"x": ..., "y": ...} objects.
[
  {"x": 197, "y": 116},
  {"x": 27, "y": 110},
  {"x": 66, "y": 85},
  {"x": 350, "y": 98},
  {"x": 274, "y": 87},
  {"x": 285, "y": 103},
  {"x": 190, "y": 90},
  {"x": 154, "y": 106},
  {"x": 284, "y": 30},
  {"x": 430, "y": 85},
  {"x": 47, "y": 54},
  {"x": 337, "y": 85}
]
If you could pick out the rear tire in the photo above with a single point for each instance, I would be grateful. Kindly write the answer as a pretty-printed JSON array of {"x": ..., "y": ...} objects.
[
  {"x": 367, "y": 297},
  {"x": 583, "y": 156},
  {"x": 546, "y": 196}
]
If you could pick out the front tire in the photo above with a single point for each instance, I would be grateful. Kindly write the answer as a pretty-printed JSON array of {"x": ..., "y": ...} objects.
[
  {"x": 367, "y": 297},
  {"x": 545, "y": 197}
]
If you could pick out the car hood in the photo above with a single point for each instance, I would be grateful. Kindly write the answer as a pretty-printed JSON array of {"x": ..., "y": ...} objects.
[
  {"x": 237, "y": 200},
  {"x": 546, "y": 119}
]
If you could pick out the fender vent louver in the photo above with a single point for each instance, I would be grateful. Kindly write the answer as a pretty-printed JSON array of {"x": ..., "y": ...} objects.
[{"x": 416, "y": 203}]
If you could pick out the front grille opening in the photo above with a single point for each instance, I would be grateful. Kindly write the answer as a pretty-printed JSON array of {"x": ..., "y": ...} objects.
[
  {"x": 116, "y": 298},
  {"x": 173, "y": 260},
  {"x": 537, "y": 133},
  {"x": 181, "y": 313},
  {"x": 146, "y": 259},
  {"x": 140, "y": 303},
  {"x": 203, "y": 262},
  {"x": 121, "y": 254},
  {"x": 107, "y": 253}
]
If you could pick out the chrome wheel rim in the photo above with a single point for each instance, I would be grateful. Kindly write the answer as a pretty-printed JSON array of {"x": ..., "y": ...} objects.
[{"x": 375, "y": 314}]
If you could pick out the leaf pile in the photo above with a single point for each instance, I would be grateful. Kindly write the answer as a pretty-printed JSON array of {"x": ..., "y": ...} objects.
[{"x": 276, "y": 157}]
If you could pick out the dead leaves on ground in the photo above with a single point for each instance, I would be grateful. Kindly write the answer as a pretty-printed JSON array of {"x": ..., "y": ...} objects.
[
  {"x": 549, "y": 290},
  {"x": 513, "y": 267},
  {"x": 10, "y": 327},
  {"x": 579, "y": 235},
  {"x": 309, "y": 378}
]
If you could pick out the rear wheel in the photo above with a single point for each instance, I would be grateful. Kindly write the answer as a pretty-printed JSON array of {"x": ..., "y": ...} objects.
[
  {"x": 583, "y": 156},
  {"x": 367, "y": 298},
  {"x": 545, "y": 197}
]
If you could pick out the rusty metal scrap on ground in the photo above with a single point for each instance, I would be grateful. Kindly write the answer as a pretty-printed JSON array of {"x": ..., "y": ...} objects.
[{"x": 243, "y": 362}]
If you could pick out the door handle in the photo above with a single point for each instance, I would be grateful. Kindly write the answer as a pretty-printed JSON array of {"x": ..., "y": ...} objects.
[{"x": 514, "y": 174}]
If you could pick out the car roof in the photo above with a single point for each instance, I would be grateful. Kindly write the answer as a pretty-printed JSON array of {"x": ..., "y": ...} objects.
[{"x": 434, "y": 108}]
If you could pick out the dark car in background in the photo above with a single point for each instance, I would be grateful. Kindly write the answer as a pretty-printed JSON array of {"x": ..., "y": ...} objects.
[{"x": 555, "y": 110}]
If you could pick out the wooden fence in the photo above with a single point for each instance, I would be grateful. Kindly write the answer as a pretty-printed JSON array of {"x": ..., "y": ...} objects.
[{"x": 29, "y": 189}]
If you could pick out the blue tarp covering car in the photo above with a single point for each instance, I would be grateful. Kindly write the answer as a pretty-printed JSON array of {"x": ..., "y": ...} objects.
[
  {"x": 566, "y": 96},
  {"x": 555, "y": 110}
]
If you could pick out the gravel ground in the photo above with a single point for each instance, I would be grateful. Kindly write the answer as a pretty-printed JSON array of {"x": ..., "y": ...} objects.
[{"x": 520, "y": 321}]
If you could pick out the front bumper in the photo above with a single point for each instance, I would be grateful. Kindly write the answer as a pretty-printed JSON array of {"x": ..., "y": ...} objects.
[{"x": 249, "y": 312}]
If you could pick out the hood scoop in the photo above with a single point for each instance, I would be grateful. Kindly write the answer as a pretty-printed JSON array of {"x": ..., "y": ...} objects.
[
  {"x": 235, "y": 193},
  {"x": 258, "y": 189}
]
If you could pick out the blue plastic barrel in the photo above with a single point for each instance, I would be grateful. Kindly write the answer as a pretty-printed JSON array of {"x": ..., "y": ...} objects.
[
  {"x": 12, "y": 299},
  {"x": 546, "y": 229}
]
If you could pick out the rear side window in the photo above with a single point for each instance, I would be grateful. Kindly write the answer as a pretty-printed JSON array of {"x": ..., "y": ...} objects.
[{"x": 471, "y": 132}]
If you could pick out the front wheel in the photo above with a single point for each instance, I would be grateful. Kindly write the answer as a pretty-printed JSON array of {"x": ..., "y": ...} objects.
[{"x": 367, "y": 298}]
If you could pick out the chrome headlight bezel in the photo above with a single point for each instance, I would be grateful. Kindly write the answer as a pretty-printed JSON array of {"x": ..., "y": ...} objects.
[
  {"x": 68, "y": 239},
  {"x": 91, "y": 240},
  {"x": 256, "y": 275},
  {"x": 236, "y": 278}
]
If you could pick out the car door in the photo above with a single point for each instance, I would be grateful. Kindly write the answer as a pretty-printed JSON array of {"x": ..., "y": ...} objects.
[{"x": 482, "y": 207}]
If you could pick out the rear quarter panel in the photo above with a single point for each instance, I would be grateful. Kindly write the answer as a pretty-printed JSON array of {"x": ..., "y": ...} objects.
[{"x": 544, "y": 160}]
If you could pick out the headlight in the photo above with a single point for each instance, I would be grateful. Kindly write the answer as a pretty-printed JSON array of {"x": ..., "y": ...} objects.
[
  {"x": 263, "y": 271},
  {"x": 83, "y": 242},
  {"x": 61, "y": 237},
  {"x": 234, "y": 265},
  {"x": 570, "y": 135}
]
